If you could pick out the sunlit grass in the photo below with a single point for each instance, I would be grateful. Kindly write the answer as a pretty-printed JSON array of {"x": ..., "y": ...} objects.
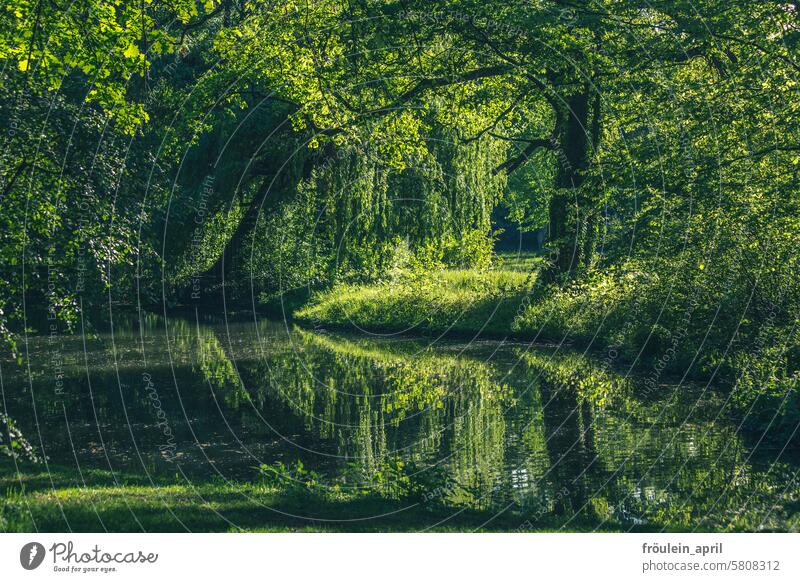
[
  {"x": 523, "y": 262},
  {"x": 462, "y": 301},
  {"x": 177, "y": 505}
]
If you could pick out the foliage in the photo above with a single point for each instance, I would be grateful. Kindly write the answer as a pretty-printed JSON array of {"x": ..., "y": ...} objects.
[
  {"x": 295, "y": 479},
  {"x": 13, "y": 443},
  {"x": 766, "y": 394},
  {"x": 358, "y": 215}
]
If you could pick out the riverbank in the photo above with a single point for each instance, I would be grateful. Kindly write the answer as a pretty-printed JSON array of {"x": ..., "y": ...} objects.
[
  {"x": 628, "y": 317},
  {"x": 453, "y": 302},
  {"x": 62, "y": 499}
]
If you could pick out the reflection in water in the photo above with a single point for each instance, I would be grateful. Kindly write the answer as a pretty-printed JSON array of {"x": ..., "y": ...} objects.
[{"x": 506, "y": 429}]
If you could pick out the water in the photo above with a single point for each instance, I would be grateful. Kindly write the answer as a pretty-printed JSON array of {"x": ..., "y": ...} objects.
[{"x": 527, "y": 435}]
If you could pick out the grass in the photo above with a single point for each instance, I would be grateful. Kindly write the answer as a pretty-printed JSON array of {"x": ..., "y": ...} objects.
[
  {"x": 54, "y": 502},
  {"x": 522, "y": 262},
  {"x": 453, "y": 301}
]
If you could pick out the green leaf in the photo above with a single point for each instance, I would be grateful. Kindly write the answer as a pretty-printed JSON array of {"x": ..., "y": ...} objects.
[{"x": 131, "y": 52}]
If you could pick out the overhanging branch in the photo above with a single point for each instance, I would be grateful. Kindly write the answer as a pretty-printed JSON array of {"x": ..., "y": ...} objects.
[{"x": 512, "y": 164}]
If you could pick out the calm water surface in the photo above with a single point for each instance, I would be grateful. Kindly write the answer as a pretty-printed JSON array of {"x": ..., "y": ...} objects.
[{"x": 506, "y": 428}]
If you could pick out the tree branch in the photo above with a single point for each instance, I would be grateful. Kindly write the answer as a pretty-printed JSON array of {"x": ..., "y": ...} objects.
[
  {"x": 512, "y": 164},
  {"x": 493, "y": 125},
  {"x": 760, "y": 153},
  {"x": 418, "y": 89}
]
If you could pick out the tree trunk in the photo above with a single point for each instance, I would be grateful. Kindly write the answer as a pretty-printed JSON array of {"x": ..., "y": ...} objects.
[
  {"x": 267, "y": 199},
  {"x": 224, "y": 268},
  {"x": 573, "y": 161}
]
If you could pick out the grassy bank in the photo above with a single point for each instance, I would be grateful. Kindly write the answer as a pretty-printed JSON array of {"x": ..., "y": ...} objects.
[
  {"x": 96, "y": 501},
  {"x": 453, "y": 301}
]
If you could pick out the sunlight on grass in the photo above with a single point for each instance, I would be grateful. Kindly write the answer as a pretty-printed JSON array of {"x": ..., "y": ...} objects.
[
  {"x": 452, "y": 300},
  {"x": 218, "y": 506}
]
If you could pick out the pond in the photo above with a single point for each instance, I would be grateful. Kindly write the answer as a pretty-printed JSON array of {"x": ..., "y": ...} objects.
[{"x": 527, "y": 435}]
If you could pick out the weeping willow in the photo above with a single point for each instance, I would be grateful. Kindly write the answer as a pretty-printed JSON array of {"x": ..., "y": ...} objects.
[{"x": 358, "y": 215}]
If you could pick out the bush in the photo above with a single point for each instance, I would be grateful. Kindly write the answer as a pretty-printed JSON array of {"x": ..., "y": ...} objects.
[
  {"x": 13, "y": 443},
  {"x": 767, "y": 393}
]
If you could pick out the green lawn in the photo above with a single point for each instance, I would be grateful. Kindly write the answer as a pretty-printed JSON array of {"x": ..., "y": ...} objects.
[
  {"x": 455, "y": 301},
  {"x": 54, "y": 502}
]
